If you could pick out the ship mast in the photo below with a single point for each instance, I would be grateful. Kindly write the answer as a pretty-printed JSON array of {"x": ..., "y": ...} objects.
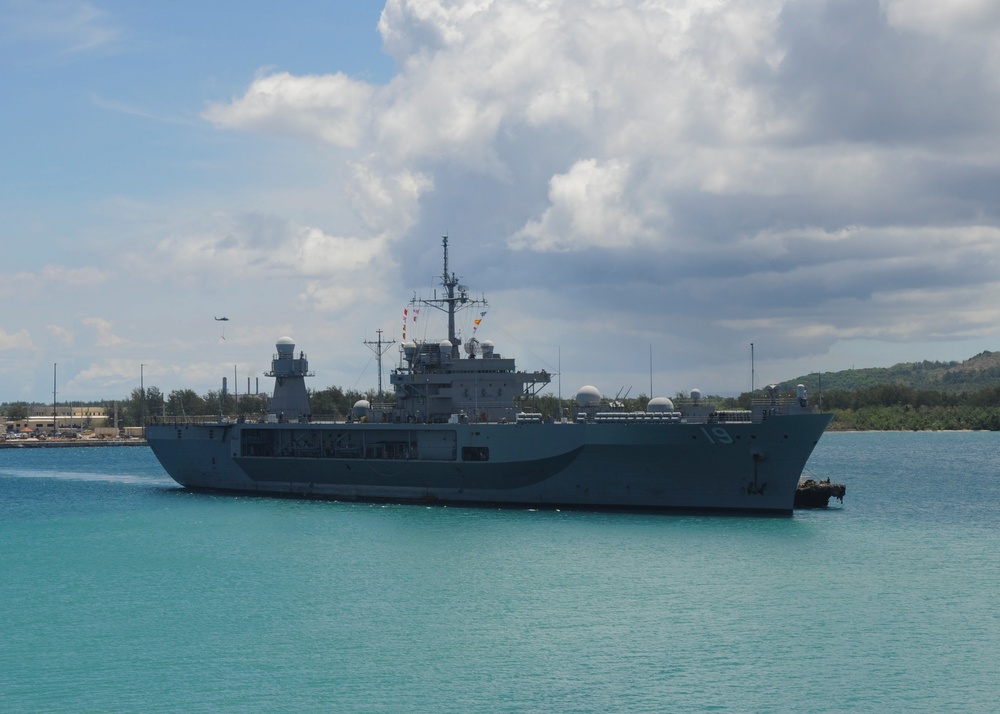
[
  {"x": 450, "y": 284},
  {"x": 456, "y": 297}
]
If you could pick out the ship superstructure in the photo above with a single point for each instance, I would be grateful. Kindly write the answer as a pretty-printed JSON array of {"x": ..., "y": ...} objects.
[{"x": 459, "y": 430}]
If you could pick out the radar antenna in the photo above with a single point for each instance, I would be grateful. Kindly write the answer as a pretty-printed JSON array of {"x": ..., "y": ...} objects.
[
  {"x": 379, "y": 350},
  {"x": 456, "y": 298}
]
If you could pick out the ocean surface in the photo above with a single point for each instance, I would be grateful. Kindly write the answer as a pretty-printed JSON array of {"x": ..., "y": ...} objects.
[{"x": 120, "y": 592}]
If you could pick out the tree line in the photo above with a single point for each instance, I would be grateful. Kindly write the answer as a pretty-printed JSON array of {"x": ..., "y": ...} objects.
[
  {"x": 142, "y": 404},
  {"x": 895, "y": 407},
  {"x": 879, "y": 407},
  {"x": 979, "y": 372}
]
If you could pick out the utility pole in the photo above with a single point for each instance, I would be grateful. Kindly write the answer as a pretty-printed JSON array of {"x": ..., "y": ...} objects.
[
  {"x": 142, "y": 403},
  {"x": 377, "y": 348}
]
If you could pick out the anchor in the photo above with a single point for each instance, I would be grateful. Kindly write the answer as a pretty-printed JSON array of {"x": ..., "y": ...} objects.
[{"x": 754, "y": 488}]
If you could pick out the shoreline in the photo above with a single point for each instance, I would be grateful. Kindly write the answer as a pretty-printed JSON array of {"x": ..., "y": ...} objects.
[{"x": 69, "y": 443}]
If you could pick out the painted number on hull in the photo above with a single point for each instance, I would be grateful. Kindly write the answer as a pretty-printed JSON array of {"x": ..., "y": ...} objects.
[{"x": 720, "y": 435}]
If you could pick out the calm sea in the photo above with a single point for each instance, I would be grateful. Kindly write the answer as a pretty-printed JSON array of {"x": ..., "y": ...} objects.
[{"x": 121, "y": 593}]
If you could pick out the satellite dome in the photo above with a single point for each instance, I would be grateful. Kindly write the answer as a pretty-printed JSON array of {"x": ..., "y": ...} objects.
[
  {"x": 588, "y": 396},
  {"x": 695, "y": 394},
  {"x": 285, "y": 346},
  {"x": 660, "y": 404},
  {"x": 360, "y": 408}
]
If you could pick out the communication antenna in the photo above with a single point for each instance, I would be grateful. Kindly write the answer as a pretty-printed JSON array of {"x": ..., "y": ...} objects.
[
  {"x": 377, "y": 347},
  {"x": 651, "y": 370},
  {"x": 559, "y": 367},
  {"x": 456, "y": 297}
]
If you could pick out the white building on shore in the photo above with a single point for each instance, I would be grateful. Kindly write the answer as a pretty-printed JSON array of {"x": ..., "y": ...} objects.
[{"x": 41, "y": 420}]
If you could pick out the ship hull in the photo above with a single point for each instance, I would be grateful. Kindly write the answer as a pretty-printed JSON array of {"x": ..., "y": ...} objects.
[{"x": 743, "y": 467}]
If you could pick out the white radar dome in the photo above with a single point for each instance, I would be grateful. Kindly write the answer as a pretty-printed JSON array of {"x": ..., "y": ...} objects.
[
  {"x": 360, "y": 408},
  {"x": 660, "y": 404},
  {"x": 695, "y": 394},
  {"x": 588, "y": 396},
  {"x": 285, "y": 346}
]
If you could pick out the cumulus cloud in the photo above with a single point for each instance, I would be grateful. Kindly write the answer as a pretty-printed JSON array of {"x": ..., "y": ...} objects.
[
  {"x": 589, "y": 206},
  {"x": 109, "y": 373},
  {"x": 105, "y": 332},
  {"x": 20, "y": 340},
  {"x": 229, "y": 249},
  {"x": 387, "y": 204},
  {"x": 330, "y": 109},
  {"x": 61, "y": 333},
  {"x": 809, "y": 172}
]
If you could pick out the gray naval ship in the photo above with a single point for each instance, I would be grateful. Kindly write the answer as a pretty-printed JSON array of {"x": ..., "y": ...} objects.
[{"x": 457, "y": 432}]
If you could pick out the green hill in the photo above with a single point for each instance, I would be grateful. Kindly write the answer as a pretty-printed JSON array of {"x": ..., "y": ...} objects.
[{"x": 973, "y": 374}]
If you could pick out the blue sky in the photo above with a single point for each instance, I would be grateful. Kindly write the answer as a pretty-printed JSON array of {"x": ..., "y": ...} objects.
[{"x": 619, "y": 178}]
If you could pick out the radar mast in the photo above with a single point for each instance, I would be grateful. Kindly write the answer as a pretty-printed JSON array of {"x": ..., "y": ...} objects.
[{"x": 456, "y": 298}]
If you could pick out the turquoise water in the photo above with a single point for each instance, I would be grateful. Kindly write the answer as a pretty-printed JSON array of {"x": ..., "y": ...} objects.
[{"x": 122, "y": 593}]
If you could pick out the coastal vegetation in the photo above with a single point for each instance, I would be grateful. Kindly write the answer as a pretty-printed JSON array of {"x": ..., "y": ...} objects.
[
  {"x": 973, "y": 374},
  {"x": 910, "y": 396},
  {"x": 915, "y": 396}
]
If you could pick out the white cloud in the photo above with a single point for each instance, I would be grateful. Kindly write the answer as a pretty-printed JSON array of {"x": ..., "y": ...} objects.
[
  {"x": 387, "y": 204},
  {"x": 754, "y": 165},
  {"x": 234, "y": 249},
  {"x": 695, "y": 173},
  {"x": 61, "y": 333},
  {"x": 105, "y": 332},
  {"x": 331, "y": 109},
  {"x": 20, "y": 340},
  {"x": 944, "y": 18},
  {"x": 73, "y": 26},
  {"x": 109, "y": 374},
  {"x": 590, "y": 207}
]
